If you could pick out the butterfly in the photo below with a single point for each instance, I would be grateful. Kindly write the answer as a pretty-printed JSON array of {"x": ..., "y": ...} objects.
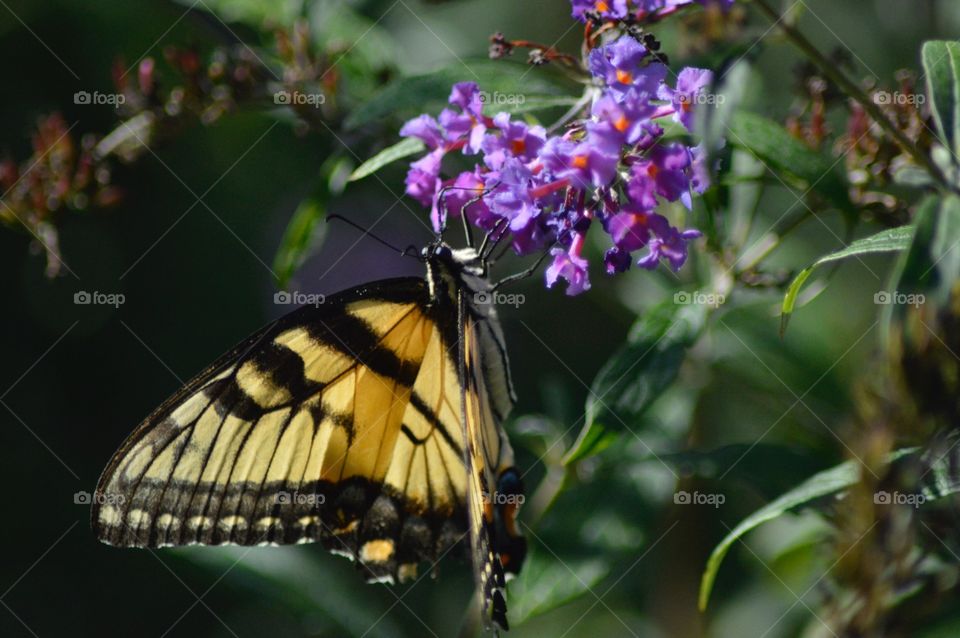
[{"x": 371, "y": 422}]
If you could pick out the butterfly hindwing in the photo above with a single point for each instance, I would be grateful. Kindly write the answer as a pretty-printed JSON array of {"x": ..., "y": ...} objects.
[{"x": 497, "y": 547}]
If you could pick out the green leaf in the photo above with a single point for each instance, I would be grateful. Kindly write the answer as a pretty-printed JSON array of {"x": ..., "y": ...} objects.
[
  {"x": 298, "y": 238},
  {"x": 941, "y": 63},
  {"x": 507, "y": 86},
  {"x": 819, "y": 485},
  {"x": 784, "y": 154},
  {"x": 547, "y": 583},
  {"x": 639, "y": 373},
  {"x": 408, "y": 146},
  {"x": 891, "y": 240},
  {"x": 938, "y": 482},
  {"x": 302, "y": 234}
]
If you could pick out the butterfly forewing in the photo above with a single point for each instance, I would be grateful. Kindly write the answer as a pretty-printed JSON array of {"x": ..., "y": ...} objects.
[{"x": 304, "y": 433}]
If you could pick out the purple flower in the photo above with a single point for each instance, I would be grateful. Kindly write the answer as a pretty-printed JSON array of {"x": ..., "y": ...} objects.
[
  {"x": 570, "y": 266},
  {"x": 470, "y": 122},
  {"x": 605, "y": 8},
  {"x": 630, "y": 117},
  {"x": 699, "y": 171},
  {"x": 629, "y": 231},
  {"x": 423, "y": 178},
  {"x": 516, "y": 139},
  {"x": 512, "y": 198},
  {"x": 666, "y": 242},
  {"x": 426, "y": 129},
  {"x": 590, "y": 162},
  {"x": 664, "y": 172},
  {"x": 690, "y": 83},
  {"x": 623, "y": 64}
]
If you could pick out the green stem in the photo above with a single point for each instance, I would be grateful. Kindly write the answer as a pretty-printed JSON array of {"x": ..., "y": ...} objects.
[{"x": 835, "y": 75}]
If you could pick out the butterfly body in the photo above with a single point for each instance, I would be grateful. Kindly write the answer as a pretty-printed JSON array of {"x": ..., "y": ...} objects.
[{"x": 370, "y": 423}]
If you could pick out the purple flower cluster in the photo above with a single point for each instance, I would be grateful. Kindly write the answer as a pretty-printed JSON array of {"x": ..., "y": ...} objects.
[
  {"x": 543, "y": 191},
  {"x": 620, "y": 9}
]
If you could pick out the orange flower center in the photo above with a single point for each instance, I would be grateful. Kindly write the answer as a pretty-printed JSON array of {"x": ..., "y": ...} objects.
[
  {"x": 653, "y": 170},
  {"x": 518, "y": 146},
  {"x": 602, "y": 6},
  {"x": 624, "y": 77},
  {"x": 579, "y": 161},
  {"x": 622, "y": 123}
]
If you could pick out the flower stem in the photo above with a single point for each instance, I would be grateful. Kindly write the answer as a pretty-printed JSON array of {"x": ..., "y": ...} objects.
[{"x": 835, "y": 75}]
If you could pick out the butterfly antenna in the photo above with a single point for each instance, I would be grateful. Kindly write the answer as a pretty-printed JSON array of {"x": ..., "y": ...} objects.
[{"x": 366, "y": 232}]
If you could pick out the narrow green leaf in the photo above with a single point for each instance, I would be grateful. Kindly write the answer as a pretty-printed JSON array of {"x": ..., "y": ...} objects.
[
  {"x": 784, "y": 154},
  {"x": 941, "y": 64},
  {"x": 303, "y": 234},
  {"x": 547, "y": 583},
  {"x": 404, "y": 148},
  {"x": 821, "y": 484},
  {"x": 940, "y": 483},
  {"x": 298, "y": 238},
  {"x": 891, "y": 240},
  {"x": 639, "y": 373}
]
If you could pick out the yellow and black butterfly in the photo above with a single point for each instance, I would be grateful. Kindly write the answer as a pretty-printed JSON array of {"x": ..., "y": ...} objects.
[{"x": 370, "y": 423}]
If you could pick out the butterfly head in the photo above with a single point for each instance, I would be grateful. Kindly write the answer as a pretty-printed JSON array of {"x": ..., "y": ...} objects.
[{"x": 451, "y": 269}]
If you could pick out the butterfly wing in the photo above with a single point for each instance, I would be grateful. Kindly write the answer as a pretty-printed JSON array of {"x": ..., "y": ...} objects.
[
  {"x": 494, "y": 489},
  {"x": 332, "y": 424}
]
